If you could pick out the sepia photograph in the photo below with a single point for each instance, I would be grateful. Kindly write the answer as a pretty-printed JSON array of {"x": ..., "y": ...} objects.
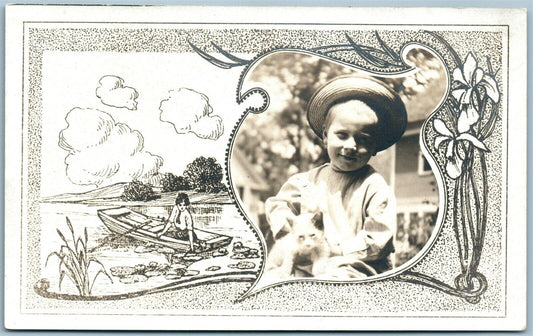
[{"x": 333, "y": 172}]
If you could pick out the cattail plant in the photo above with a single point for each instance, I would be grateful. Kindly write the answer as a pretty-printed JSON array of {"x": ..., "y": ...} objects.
[{"x": 74, "y": 262}]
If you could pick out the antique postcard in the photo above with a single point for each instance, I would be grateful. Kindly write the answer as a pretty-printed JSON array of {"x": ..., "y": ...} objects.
[{"x": 232, "y": 168}]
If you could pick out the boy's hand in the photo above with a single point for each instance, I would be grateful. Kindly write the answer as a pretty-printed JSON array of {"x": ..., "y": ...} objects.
[
  {"x": 335, "y": 262},
  {"x": 326, "y": 265},
  {"x": 319, "y": 267},
  {"x": 330, "y": 265}
]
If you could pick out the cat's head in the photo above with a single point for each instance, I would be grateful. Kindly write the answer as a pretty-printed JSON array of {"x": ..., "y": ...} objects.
[{"x": 308, "y": 229}]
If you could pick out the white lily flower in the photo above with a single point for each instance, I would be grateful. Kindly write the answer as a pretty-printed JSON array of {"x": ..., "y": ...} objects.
[
  {"x": 471, "y": 77},
  {"x": 454, "y": 157}
]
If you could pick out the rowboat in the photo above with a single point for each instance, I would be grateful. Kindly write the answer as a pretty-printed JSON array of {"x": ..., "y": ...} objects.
[{"x": 124, "y": 221}]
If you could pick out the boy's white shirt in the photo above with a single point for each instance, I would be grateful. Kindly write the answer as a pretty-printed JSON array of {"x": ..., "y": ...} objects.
[{"x": 353, "y": 221}]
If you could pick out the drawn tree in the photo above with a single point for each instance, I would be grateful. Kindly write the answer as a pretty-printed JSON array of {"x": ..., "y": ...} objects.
[
  {"x": 171, "y": 182},
  {"x": 138, "y": 191},
  {"x": 204, "y": 175}
]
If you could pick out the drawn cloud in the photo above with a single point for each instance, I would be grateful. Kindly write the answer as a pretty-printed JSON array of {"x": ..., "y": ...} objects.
[
  {"x": 112, "y": 92},
  {"x": 189, "y": 111},
  {"x": 102, "y": 152}
]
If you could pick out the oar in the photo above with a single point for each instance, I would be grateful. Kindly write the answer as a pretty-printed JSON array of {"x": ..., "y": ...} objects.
[{"x": 133, "y": 229}]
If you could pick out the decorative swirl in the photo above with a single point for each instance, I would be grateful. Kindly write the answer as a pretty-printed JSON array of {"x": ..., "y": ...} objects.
[
  {"x": 470, "y": 290},
  {"x": 383, "y": 58},
  {"x": 249, "y": 93},
  {"x": 236, "y": 61}
]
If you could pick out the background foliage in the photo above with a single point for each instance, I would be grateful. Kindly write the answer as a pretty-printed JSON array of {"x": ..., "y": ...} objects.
[
  {"x": 138, "y": 191},
  {"x": 279, "y": 143},
  {"x": 202, "y": 175},
  {"x": 171, "y": 182}
]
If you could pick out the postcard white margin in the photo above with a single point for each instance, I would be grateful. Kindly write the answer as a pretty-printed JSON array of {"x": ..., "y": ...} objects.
[{"x": 14, "y": 168}]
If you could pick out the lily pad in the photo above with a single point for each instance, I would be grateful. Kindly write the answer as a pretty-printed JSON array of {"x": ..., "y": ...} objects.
[
  {"x": 252, "y": 253},
  {"x": 238, "y": 247},
  {"x": 139, "y": 278},
  {"x": 212, "y": 268},
  {"x": 127, "y": 279},
  {"x": 192, "y": 257},
  {"x": 238, "y": 256},
  {"x": 242, "y": 265},
  {"x": 122, "y": 271},
  {"x": 166, "y": 250},
  {"x": 153, "y": 273},
  {"x": 191, "y": 273}
]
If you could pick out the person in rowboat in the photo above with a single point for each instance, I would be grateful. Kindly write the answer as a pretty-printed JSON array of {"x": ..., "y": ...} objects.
[{"x": 180, "y": 220}]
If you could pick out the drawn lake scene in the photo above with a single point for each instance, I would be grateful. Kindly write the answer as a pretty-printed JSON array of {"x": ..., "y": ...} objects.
[
  {"x": 113, "y": 164},
  {"x": 131, "y": 265}
]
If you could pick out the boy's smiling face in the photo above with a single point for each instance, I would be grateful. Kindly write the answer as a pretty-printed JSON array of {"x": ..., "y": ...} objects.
[{"x": 349, "y": 135}]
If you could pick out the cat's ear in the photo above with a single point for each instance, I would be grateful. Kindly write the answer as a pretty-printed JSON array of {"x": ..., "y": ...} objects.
[{"x": 318, "y": 221}]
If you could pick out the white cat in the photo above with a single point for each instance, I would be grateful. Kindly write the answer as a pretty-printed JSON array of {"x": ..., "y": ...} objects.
[{"x": 300, "y": 249}]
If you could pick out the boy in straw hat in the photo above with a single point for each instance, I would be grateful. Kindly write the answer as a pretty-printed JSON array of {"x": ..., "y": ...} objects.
[{"x": 356, "y": 117}]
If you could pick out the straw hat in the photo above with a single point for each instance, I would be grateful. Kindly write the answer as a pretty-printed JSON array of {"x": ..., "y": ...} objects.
[{"x": 390, "y": 110}]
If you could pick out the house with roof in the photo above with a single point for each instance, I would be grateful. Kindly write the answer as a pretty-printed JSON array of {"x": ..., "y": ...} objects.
[
  {"x": 409, "y": 174},
  {"x": 250, "y": 185}
]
